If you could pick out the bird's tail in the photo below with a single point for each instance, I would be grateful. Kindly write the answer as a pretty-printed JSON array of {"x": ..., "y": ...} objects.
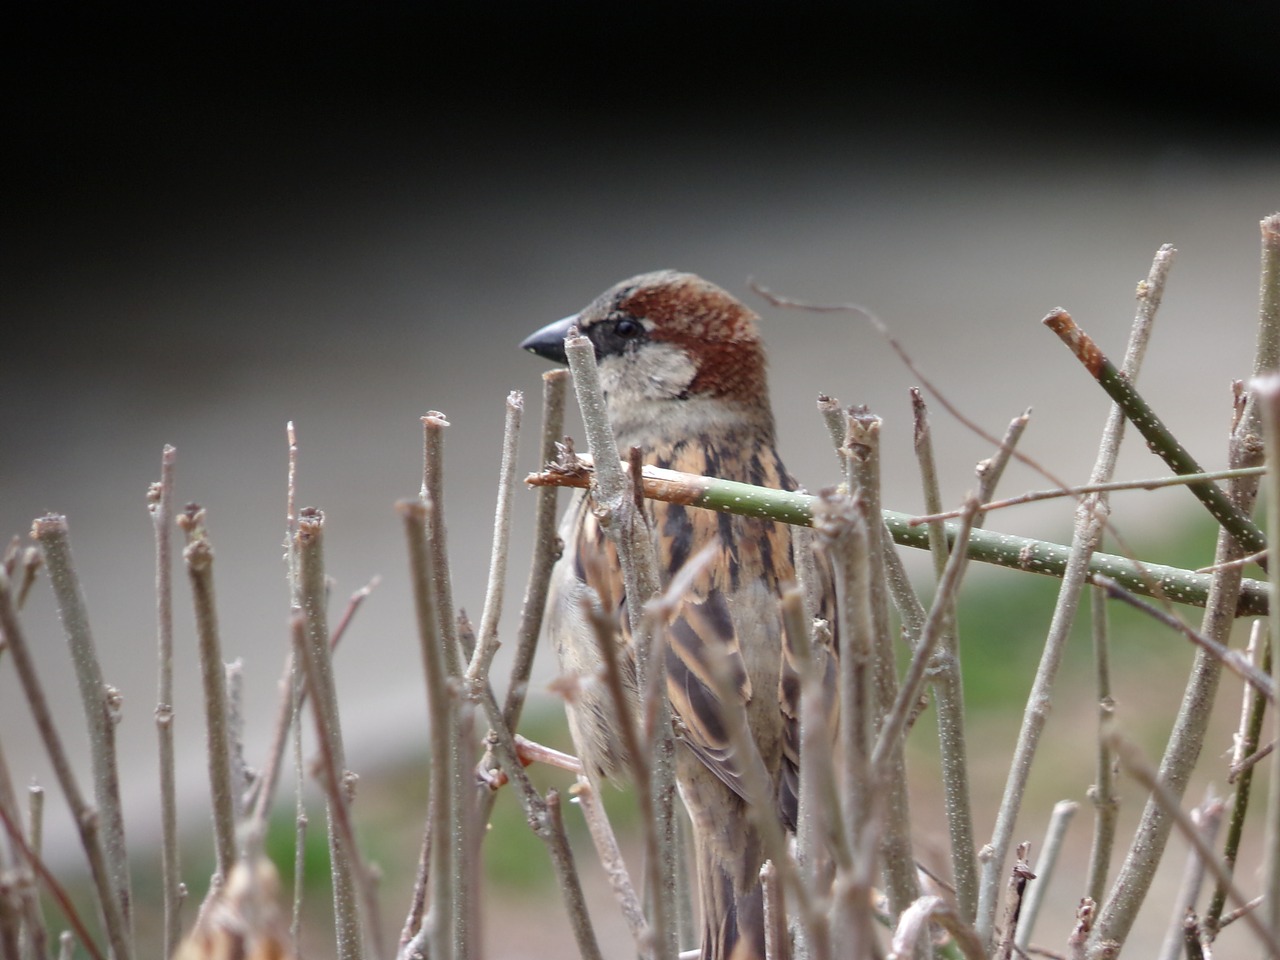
[{"x": 729, "y": 855}]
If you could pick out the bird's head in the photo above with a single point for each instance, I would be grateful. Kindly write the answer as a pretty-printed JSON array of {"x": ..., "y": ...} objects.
[{"x": 673, "y": 350}]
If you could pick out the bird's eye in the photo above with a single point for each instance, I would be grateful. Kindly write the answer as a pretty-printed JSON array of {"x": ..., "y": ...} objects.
[{"x": 628, "y": 328}]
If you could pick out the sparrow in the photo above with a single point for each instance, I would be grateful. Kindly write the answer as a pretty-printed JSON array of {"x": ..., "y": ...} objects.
[{"x": 682, "y": 367}]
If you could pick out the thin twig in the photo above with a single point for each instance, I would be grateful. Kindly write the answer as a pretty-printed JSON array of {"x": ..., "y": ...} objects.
[
  {"x": 1136, "y": 765},
  {"x": 100, "y": 702},
  {"x": 333, "y": 776},
  {"x": 1154, "y": 483},
  {"x": 615, "y": 868},
  {"x": 629, "y": 530},
  {"x": 442, "y": 712},
  {"x": 264, "y": 788},
  {"x": 546, "y": 551},
  {"x": 862, "y": 447},
  {"x": 1055, "y": 833},
  {"x": 160, "y": 506},
  {"x": 343, "y": 857},
  {"x": 1268, "y": 390},
  {"x": 1106, "y": 804},
  {"x": 1233, "y": 660},
  {"x": 198, "y": 556},
  {"x": 815, "y": 848},
  {"x": 1244, "y": 755},
  {"x": 487, "y": 642},
  {"x": 1019, "y": 876},
  {"x": 84, "y": 816},
  {"x": 842, "y": 531},
  {"x": 1207, "y": 817},
  {"x": 56, "y": 890}
]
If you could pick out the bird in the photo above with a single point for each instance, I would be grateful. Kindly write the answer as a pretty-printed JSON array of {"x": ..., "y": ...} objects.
[{"x": 682, "y": 368}]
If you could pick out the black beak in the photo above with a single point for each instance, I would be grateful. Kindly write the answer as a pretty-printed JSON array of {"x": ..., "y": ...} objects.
[{"x": 549, "y": 341}]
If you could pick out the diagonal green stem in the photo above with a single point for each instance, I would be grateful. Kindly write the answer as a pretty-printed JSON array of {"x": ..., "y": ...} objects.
[{"x": 1153, "y": 430}]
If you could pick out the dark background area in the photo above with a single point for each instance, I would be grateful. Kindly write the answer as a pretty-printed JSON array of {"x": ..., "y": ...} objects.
[{"x": 216, "y": 220}]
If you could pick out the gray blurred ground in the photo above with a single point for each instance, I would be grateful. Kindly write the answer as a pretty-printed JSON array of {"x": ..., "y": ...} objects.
[{"x": 351, "y": 291}]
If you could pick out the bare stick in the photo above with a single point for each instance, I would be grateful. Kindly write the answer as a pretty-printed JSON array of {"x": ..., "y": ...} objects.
[
  {"x": 85, "y": 816},
  {"x": 487, "y": 644},
  {"x": 1090, "y": 518},
  {"x": 1241, "y": 775},
  {"x": 1207, "y": 817},
  {"x": 1153, "y": 483},
  {"x": 834, "y": 417},
  {"x": 895, "y": 723},
  {"x": 842, "y": 530},
  {"x": 1054, "y": 834},
  {"x": 546, "y": 551},
  {"x": 1132, "y": 760},
  {"x": 1018, "y": 877},
  {"x": 434, "y": 425},
  {"x": 1268, "y": 390},
  {"x": 615, "y": 868},
  {"x": 264, "y": 788},
  {"x": 335, "y": 788},
  {"x": 37, "y": 929},
  {"x": 544, "y": 818},
  {"x": 815, "y": 846},
  {"x": 629, "y": 530},
  {"x": 101, "y": 714},
  {"x": 1106, "y": 805},
  {"x": 948, "y": 690},
  {"x": 25, "y": 929},
  {"x": 1020, "y": 553},
  {"x": 56, "y": 890},
  {"x": 862, "y": 447},
  {"x": 198, "y": 556},
  {"x": 1117, "y": 914},
  {"x": 160, "y": 506},
  {"x": 441, "y": 707},
  {"x": 343, "y": 858},
  {"x": 1233, "y": 660}
]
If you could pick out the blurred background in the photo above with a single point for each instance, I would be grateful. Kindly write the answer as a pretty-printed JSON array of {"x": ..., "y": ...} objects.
[{"x": 221, "y": 218}]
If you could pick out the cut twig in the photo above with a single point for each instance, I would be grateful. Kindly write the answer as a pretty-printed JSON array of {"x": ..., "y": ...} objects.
[
  {"x": 1018, "y": 879},
  {"x": 100, "y": 702},
  {"x": 842, "y": 531},
  {"x": 344, "y": 860},
  {"x": 629, "y": 531},
  {"x": 1268, "y": 391},
  {"x": 862, "y": 448},
  {"x": 1106, "y": 804},
  {"x": 442, "y": 712},
  {"x": 198, "y": 556},
  {"x": 160, "y": 506},
  {"x": 336, "y": 781},
  {"x": 1055, "y": 833},
  {"x": 84, "y": 816},
  {"x": 546, "y": 551}
]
